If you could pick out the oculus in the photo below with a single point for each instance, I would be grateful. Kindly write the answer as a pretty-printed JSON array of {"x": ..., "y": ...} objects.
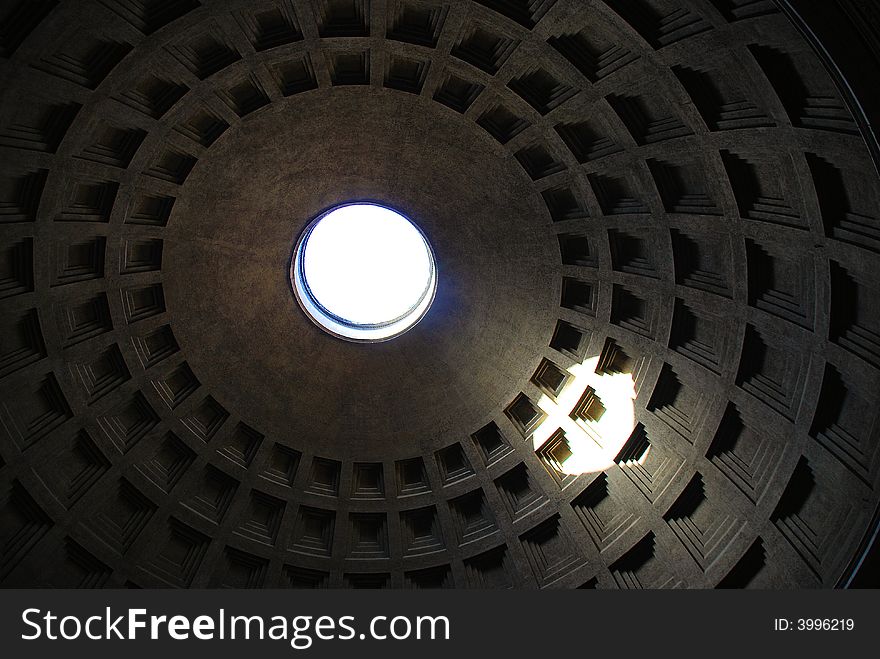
[{"x": 363, "y": 272}]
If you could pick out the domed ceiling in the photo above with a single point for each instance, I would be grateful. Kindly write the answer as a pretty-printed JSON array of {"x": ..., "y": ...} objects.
[{"x": 673, "y": 189}]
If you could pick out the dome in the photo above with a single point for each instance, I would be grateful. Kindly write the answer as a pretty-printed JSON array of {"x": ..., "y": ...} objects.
[{"x": 638, "y": 345}]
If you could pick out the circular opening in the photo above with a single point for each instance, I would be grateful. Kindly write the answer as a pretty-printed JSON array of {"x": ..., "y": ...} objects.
[{"x": 363, "y": 272}]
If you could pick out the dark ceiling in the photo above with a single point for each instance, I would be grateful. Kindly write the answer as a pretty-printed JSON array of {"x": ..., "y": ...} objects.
[{"x": 675, "y": 186}]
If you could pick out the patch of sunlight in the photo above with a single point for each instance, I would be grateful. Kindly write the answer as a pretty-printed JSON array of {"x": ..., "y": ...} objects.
[{"x": 597, "y": 413}]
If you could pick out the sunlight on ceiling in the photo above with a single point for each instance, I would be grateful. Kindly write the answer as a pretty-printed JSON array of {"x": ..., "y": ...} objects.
[{"x": 596, "y": 435}]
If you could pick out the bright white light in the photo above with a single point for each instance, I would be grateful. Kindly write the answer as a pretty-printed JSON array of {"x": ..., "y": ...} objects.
[
  {"x": 366, "y": 264},
  {"x": 364, "y": 272},
  {"x": 593, "y": 444}
]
